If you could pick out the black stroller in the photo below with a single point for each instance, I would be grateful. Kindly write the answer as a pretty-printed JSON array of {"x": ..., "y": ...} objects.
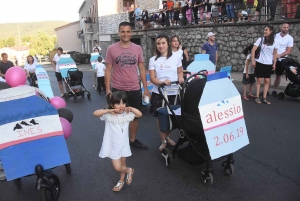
[
  {"x": 293, "y": 88},
  {"x": 191, "y": 130},
  {"x": 74, "y": 85}
]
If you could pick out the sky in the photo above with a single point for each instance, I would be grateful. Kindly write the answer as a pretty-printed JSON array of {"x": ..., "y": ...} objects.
[{"x": 39, "y": 10}]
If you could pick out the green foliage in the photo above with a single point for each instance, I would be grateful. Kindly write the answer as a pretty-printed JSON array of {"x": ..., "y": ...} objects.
[
  {"x": 39, "y": 44},
  {"x": 2, "y": 43},
  {"x": 10, "y": 42},
  {"x": 28, "y": 29}
]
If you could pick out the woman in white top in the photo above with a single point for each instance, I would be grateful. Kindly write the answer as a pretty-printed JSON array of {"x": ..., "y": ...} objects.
[
  {"x": 29, "y": 68},
  {"x": 264, "y": 64},
  {"x": 95, "y": 73},
  {"x": 165, "y": 67}
]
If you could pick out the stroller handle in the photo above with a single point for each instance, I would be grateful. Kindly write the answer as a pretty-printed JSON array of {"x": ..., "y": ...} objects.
[{"x": 164, "y": 84}]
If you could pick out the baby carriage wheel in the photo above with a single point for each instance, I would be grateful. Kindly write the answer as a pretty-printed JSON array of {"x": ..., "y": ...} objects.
[
  {"x": 68, "y": 168},
  {"x": 168, "y": 156},
  {"x": 75, "y": 99},
  {"x": 207, "y": 178},
  {"x": 18, "y": 183},
  {"x": 281, "y": 96},
  {"x": 89, "y": 96},
  {"x": 228, "y": 170},
  {"x": 51, "y": 188}
]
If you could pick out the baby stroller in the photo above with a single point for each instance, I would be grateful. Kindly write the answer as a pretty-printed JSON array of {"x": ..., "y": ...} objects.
[
  {"x": 74, "y": 84},
  {"x": 191, "y": 129},
  {"x": 293, "y": 88}
]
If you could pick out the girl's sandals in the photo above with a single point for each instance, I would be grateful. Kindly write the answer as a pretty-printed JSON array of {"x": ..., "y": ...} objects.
[
  {"x": 245, "y": 98},
  {"x": 257, "y": 100},
  {"x": 163, "y": 145},
  {"x": 265, "y": 101},
  {"x": 129, "y": 176},
  {"x": 251, "y": 96},
  {"x": 118, "y": 186},
  {"x": 170, "y": 141}
]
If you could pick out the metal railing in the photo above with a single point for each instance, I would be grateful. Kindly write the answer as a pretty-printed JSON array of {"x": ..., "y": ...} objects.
[{"x": 265, "y": 10}]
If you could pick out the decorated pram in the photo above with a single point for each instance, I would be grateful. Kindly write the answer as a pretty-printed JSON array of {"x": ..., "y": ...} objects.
[
  {"x": 32, "y": 139},
  {"x": 72, "y": 77},
  {"x": 210, "y": 119}
]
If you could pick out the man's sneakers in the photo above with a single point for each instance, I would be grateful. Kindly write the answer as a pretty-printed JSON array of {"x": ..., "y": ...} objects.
[
  {"x": 138, "y": 144},
  {"x": 274, "y": 93}
]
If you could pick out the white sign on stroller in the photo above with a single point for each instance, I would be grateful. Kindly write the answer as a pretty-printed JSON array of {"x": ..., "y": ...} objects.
[{"x": 222, "y": 116}]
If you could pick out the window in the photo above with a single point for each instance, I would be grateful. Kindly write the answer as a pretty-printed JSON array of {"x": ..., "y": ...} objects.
[{"x": 127, "y": 4}]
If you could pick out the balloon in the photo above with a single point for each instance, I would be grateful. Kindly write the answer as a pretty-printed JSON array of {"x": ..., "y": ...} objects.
[
  {"x": 4, "y": 85},
  {"x": 57, "y": 102},
  {"x": 15, "y": 76},
  {"x": 65, "y": 113},
  {"x": 66, "y": 126}
]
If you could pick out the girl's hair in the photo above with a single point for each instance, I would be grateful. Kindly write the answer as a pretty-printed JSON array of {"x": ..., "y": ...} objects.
[
  {"x": 248, "y": 49},
  {"x": 270, "y": 39},
  {"x": 158, "y": 54},
  {"x": 31, "y": 57},
  {"x": 172, "y": 37},
  {"x": 99, "y": 59},
  {"x": 115, "y": 98},
  {"x": 97, "y": 49}
]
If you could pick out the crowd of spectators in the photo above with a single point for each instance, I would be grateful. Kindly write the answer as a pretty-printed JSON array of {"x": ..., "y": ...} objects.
[{"x": 198, "y": 12}]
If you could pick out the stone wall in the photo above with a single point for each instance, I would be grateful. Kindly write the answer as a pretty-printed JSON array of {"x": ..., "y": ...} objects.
[
  {"x": 109, "y": 24},
  {"x": 231, "y": 38}
]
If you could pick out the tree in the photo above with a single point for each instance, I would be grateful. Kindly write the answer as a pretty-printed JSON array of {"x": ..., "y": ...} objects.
[
  {"x": 10, "y": 42},
  {"x": 42, "y": 43},
  {"x": 32, "y": 52},
  {"x": 2, "y": 43}
]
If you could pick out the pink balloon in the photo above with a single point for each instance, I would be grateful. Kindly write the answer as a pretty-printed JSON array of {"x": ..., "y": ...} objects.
[
  {"x": 66, "y": 126},
  {"x": 15, "y": 76},
  {"x": 57, "y": 102}
]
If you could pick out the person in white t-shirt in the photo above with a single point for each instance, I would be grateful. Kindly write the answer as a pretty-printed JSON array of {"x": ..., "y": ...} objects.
[
  {"x": 55, "y": 61},
  {"x": 97, "y": 46},
  {"x": 264, "y": 64},
  {"x": 286, "y": 43},
  {"x": 100, "y": 70},
  {"x": 165, "y": 68},
  {"x": 175, "y": 47},
  {"x": 248, "y": 74},
  {"x": 29, "y": 68}
]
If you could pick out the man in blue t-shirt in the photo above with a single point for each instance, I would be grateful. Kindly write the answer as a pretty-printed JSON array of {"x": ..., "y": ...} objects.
[{"x": 211, "y": 48}]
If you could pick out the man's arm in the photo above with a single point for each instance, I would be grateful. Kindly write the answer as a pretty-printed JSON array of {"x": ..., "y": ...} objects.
[
  {"x": 143, "y": 77},
  {"x": 108, "y": 77},
  {"x": 216, "y": 57},
  {"x": 287, "y": 52},
  {"x": 53, "y": 64}
]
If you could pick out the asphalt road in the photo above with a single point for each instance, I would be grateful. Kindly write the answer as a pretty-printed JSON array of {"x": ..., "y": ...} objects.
[{"x": 266, "y": 169}]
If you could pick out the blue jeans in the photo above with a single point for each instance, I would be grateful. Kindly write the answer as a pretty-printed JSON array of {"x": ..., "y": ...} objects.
[{"x": 230, "y": 11}]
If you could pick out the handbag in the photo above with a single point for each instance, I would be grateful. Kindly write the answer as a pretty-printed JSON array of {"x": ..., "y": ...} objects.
[
  {"x": 257, "y": 51},
  {"x": 165, "y": 120}
]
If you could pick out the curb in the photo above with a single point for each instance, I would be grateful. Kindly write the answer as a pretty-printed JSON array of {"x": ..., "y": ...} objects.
[{"x": 238, "y": 82}]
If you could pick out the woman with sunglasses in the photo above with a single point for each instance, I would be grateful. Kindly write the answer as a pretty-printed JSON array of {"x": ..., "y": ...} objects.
[
  {"x": 265, "y": 62},
  {"x": 164, "y": 67}
]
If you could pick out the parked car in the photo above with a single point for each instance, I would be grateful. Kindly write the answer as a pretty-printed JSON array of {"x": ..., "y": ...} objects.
[{"x": 79, "y": 57}]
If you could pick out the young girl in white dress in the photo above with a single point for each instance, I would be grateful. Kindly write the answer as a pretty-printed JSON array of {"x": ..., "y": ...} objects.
[{"x": 115, "y": 143}]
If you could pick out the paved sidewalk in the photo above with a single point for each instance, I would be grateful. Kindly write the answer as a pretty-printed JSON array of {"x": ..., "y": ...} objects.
[{"x": 238, "y": 77}]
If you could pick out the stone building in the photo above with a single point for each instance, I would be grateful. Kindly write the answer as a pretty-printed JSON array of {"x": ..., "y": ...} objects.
[{"x": 106, "y": 17}]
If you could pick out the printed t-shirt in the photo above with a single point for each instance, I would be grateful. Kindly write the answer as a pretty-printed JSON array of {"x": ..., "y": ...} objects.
[
  {"x": 165, "y": 69},
  {"x": 124, "y": 66}
]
